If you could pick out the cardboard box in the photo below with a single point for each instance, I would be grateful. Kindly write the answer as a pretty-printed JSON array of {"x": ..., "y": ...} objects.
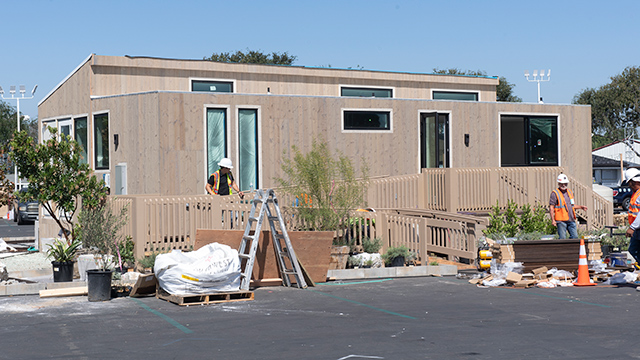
[
  {"x": 525, "y": 283},
  {"x": 513, "y": 278},
  {"x": 540, "y": 270},
  {"x": 541, "y": 276}
]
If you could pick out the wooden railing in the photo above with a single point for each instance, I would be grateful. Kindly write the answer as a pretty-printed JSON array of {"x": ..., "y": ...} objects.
[
  {"x": 427, "y": 212},
  {"x": 164, "y": 223},
  {"x": 478, "y": 190}
]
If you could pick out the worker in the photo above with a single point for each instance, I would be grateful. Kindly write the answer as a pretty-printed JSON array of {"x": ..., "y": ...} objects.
[
  {"x": 562, "y": 209},
  {"x": 221, "y": 182},
  {"x": 632, "y": 177}
]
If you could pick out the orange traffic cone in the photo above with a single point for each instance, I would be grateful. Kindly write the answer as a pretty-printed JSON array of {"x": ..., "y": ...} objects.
[{"x": 583, "y": 268}]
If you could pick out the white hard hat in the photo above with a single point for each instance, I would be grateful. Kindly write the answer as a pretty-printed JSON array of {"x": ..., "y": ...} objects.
[
  {"x": 563, "y": 179},
  {"x": 632, "y": 174},
  {"x": 226, "y": 162}
]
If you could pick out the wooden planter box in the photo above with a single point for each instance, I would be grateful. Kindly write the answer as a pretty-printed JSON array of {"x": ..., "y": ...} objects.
[
  {"x": 313, "y": 250},
  {"x": 561, "y": 254}
]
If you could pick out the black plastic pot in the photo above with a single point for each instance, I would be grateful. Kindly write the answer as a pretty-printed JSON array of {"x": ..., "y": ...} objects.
[
  {"x": 397, "y": 261},
  {"x": 99, "y": 284},
  {"x": 62, "y": 271}
]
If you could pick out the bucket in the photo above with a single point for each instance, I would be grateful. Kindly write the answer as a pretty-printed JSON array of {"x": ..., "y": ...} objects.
[
  {"x": 99, "y": 285},
  {"x": 618, "y": 259}
]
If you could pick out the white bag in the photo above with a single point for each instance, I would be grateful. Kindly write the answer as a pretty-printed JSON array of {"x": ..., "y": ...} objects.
[{"x": 212, "y": 268}]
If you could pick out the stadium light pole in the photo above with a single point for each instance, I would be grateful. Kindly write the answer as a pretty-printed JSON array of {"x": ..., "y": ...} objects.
[
  {"x": 12, "y": 91},
  {"x": 538, "y": 78}
]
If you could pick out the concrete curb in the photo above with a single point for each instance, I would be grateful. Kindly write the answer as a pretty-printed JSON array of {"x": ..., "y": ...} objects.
[{"x": 407, "y": 271}]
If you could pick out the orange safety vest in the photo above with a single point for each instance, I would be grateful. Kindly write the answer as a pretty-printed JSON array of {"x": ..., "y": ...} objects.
[
  {"x": 216, "y": 182},
  {"x": 634, "y": 208},
  {"x": 560, "y": 212}
]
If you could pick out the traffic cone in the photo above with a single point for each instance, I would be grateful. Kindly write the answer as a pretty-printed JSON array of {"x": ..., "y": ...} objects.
[{"x": 583, "y": 268}]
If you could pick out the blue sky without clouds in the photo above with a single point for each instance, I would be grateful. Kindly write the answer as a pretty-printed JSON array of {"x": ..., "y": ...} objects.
[{"x": 584, "y": 43}]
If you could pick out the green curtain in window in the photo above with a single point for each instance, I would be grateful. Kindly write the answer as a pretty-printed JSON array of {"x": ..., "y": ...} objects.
[
  {"x": 248, "y": 144},
  {"x": 216, "y": 139},
  {"x": 101, "y": 136},
  {"x": 81, "y": 137}
]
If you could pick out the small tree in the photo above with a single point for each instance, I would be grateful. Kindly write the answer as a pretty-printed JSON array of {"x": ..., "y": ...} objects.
[
  {"x": 326, "y": 187},
  {"x": 57, "y": 177}
]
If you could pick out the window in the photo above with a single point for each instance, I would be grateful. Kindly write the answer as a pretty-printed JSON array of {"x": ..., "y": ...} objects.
[
  {"x": 101, "y": 141},
  {"x": 80, "y": 131},
  {"x": 529, "y": 140},
  {"x": 366, "y": 120},
  {"x": 455, "y": 95},
  {"x": 212, "y": 86},
  {"x": 366, "y": 92},
  {"x": 216, "y": 138},
  {"x": 248, "y": 146}
]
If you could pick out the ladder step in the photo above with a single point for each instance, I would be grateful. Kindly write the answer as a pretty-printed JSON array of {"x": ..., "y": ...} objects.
[
  {"x": 244, "y": 256},
  {"x": 248, "y": 237},
  {"x": 251, "y": 218},
  {"x": 273, "y": 218}
]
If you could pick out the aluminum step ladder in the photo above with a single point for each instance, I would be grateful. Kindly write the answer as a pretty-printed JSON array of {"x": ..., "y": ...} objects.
[{"x": 290, "y": 270}]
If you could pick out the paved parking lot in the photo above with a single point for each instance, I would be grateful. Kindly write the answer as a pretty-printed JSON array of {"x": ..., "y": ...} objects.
[{"x": 409, "y": 318}]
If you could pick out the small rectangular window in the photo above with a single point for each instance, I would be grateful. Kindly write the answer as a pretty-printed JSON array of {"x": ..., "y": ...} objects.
[
  {"x": 455, "y": 95},
  {"x": 101, "y": 141},
  {"x": 212, "y": 86},
  {"x": 367, "y": 120},
  {"x": 366, "y": 92}
]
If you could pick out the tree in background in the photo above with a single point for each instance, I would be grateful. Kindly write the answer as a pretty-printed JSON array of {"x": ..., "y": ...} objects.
[
  {"x": 8, "y": 123},
  {"x": 504, "y": 90},
  {"x": 253, "y": 57},
  {"x": 614, "y": 106}
]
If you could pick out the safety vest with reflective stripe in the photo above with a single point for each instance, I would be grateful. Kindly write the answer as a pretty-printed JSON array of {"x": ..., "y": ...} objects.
[
  {"x": 560, "y": 212},
  {"x": 634, "y": 208},
  {"x": 216, "y": 182}
]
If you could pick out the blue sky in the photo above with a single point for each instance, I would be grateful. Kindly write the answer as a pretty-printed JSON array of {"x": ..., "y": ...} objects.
[{"x": 584, "y": 43}]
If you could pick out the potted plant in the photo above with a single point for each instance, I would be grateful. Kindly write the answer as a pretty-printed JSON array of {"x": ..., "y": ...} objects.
[
  {"x": 99, "y": 231},
  {"x": 396, "y": 255},
  {"x": 63, "y": 258}
]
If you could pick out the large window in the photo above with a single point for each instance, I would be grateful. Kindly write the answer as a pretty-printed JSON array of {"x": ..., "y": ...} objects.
[
  {"x": 529, "y": 140},
  {"x": 212, "y": 86},
  {"x": 216, "y": 138},
  {"x": 455, "y": 95},
  {"x": 366, "y": 92},
  {"x": 247, "y": 172},
  {"x": 101, "y": 141},
  {"x": 80, "y": 132},
  {"x": 366, "y": 120}
]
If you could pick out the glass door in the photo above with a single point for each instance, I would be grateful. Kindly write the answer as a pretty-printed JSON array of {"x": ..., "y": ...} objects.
[{"x": 434, "y": 140}]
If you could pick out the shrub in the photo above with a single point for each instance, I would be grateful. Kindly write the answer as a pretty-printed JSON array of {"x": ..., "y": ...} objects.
[{"x": 326, "y": 187}]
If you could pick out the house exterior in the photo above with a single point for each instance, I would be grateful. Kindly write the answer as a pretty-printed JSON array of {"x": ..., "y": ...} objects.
[
  {"x": 609, "y": 172},
  {"x": 159, "y": 126},
  {"x": 627, "y": 150}
]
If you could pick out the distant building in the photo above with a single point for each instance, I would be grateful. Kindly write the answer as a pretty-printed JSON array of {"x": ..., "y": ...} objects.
[{"x": 608, "y": 172}]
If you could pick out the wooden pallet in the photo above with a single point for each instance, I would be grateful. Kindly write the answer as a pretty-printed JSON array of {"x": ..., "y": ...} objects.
[{"x": 204, "y": 299}]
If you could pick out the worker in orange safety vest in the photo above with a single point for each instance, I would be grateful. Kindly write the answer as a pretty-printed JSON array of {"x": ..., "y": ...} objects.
[
  {"x": 562, "y": 209},
  {"x": 632, "y": 177}
]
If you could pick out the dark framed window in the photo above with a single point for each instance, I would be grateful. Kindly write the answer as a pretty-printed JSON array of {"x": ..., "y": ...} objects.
[
  {"x": 529, "y": 140},
  {"x": 366, "y": 92},
  {"x": 81, "y": 136},
  {"x": 367, "y": 120},
  {"x": 212, "y": 86},
  {"x": 101, "y": 141},
  {"x": 455, "y": 95}
]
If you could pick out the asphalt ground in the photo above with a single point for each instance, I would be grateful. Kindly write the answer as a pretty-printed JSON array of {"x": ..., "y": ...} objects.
[{"x": 408, "y": 318}]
